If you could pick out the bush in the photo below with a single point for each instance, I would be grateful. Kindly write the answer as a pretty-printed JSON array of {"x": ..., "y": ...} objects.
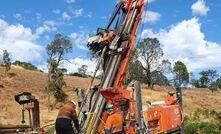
[
  {"x": 190, "y": 127},
  {"x": 203, "y": 121},
  {"x": 202, "y": 128},
  {"x": 50, "y": 130},
  {"x": 78, "y": 75},
  {"x": 25, "y": 65}
]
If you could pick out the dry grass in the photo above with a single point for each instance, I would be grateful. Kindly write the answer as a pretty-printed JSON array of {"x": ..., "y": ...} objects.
[{"x": 21, "y": 80}]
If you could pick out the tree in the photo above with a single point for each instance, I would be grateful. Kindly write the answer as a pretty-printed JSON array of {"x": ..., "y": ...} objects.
[
  {"x": 181, "y": 75},
  {"x": 159, "y": 78},
  {"x": 135, "y": 71},
  {"x": 193, "y": 81},
  {"x": 25, "y": 65},
  {"x": 206, "y": 77},
  {"x": 83, "y": 70},
  {"x": 218, "y": 82},
  {"x": 6, "y": 61},
  {"x": 215, "y": 84},
  {"x": 135, "y": 68},
  {"x": 149, "y": 54},
  {"x": 56, "y": 51}
]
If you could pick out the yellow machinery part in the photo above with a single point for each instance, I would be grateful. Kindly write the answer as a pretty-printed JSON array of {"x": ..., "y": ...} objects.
[{"x": 88, "y": 126}]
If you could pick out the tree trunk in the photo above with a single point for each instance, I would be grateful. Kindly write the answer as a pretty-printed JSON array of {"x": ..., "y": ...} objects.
[
  {"x": 149, "y": 80},
  {"x": 150, "y": 84}
]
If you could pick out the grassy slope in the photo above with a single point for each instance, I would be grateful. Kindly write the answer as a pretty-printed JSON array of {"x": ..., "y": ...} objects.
[{"x": 34, "y": 82}]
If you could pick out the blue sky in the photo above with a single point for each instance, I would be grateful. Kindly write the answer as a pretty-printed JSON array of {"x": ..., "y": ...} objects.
[{"x": 189, "y": 30}]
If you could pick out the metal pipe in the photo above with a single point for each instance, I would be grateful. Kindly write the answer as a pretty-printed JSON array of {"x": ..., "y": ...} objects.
[
  {"x": 137, "y": 88},
  {"x": 23, "y": 115}
]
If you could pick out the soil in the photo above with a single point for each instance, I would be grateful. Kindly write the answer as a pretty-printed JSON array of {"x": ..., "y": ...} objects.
[{"x": 19, "y": 80}]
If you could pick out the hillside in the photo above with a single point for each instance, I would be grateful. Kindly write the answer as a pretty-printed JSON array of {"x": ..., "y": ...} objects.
[{"x": 20, "y": 80}]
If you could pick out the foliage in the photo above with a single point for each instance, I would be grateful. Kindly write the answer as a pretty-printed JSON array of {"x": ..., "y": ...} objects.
[
  {"x": 214, "y": 85},
  {"x": 218, "y": 82},
  {"x": 195, "y": 83},
  {"x": 181, "y": 75},
  {"x": 148, "y": 58},
  {"x": 135, "y": 71},
  {"x": 159, "y": 78},
  {"x": 59, "y": 47},
  {"x": 50, "y": 130},
  {"x": 207, "y": 77},
  {"x": 6, "y": 61},
  {"x": 202, "y": 128},
  {"x": 203, "y": 121},
  {"x": 83, "y": 70},
  {"x": 56, "y": 84},
  {"x": 25, "y": 65},
  {"x": 56, "y": 51}
]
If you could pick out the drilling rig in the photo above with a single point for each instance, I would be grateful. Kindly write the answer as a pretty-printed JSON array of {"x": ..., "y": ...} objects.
[{"x": 113, "y": 46}]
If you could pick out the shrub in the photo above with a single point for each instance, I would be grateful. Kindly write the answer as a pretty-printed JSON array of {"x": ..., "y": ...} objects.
[
  {"x": 203, "y": 121},
  {"x": 78, "y": 75},
  {"x": 25, "y": 65}
]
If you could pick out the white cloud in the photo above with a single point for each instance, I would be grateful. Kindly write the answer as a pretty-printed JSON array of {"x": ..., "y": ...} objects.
[
  {"x": 48, "y": 26},
  {"x": 74, "y": 64},
  {"x": 17, "y": 16},
  {"x": 70, "y": 1},
  {"x": 150, "y": 17},
  {"x": 20, "y": 42},
  {"x": 79, "y": 39},
  {"x": 56, "y": 11},
  {"x": 186, "y": 42},
  {"x": 199, "y": 8},
  {"x": 78, "y": 12},
  {"x": 66, "y": 16},
  {"x": 149, "y": 1},
  {"x": 43, "y": 67}
]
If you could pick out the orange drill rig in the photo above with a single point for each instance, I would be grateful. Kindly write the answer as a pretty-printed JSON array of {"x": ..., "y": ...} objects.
[{"x": 113, "y": 46}]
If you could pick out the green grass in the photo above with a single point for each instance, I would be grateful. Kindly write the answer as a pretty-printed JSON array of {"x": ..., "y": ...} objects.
[
  {"x": 203, "y": 121},
  {"x": 50, "y": 130}
]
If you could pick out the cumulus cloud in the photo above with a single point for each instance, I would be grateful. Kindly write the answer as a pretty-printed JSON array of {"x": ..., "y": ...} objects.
[
  {"x": 20, "y": 42},
  {"x": 199, "y": 8},
  {"x": 70, "y": 1},
  {"x": 17, "y": 16},
  {"x": 66, "y": 16},
  {"x": 186, "y": 42},
  {"x": 150, "y": 17},
  {"x": 74, "y": 64},
  {"x": 48, "y": 26},
  {"x": 78, "y": 12},
  {"x": 79, "y": 39}
]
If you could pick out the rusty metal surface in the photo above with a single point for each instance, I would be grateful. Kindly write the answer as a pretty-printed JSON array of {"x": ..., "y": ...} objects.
[{"x": 11, "y": 129}]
